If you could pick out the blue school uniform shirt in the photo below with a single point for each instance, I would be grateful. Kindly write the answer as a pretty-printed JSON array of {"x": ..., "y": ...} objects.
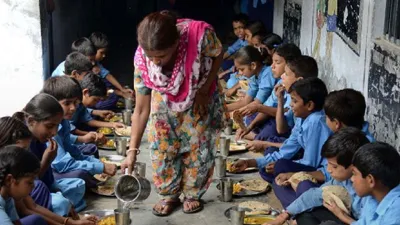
[
  {"x": 365, "y": 130},
  {"x": 38, "y": 149},
  {"x": 385, "y": 212},
  {"x": 103, "y": 71},
  {"x": 82, "y": 115},
  {"x": 290, "y": 118},
  {"x": 8, "y": 213},
  {"x": 310, "y": 134},
  {"x": 313, "y": 198},
  {"x": 69, "y": 157},
  {"x": 239, "y": 43},
  {"x": 59, "y": 71},
  {"x": 261, "y": 86},
  {"x": 272, "y": 100}
]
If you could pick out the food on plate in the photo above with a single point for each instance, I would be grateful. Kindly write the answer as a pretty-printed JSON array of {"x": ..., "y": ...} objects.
[
  {"x": 101, "y": 177},
  {"x": 105, "y": 130},
  {"x": 105, "y": 160},
  {"x": 237, "y": 188},
  {"x": 109, "y": 144},
  {"x": 109, "y": 220},
  {"x": 339, "y": 195},
  {"x": 257, "y": 208},
  {"x": 125, "y": 131},
  {"x": 114, "y": 119},
  {"x": 258, "y": 185},
  {"x": 104, "y": 189},
  {"x": 257, "y": 219},
  {"x": 238, "y": 118},
  {"x": 296, "y": 178},
  {"x": 236, "y": 147}
]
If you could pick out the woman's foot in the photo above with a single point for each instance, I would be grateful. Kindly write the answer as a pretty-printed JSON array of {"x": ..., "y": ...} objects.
[
  {"x": 165, "y": 207},
  {"x": 191, "y": 205}
]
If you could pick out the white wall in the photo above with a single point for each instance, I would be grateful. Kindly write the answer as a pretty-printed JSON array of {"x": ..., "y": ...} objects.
[{"x": 21, "y": 73}]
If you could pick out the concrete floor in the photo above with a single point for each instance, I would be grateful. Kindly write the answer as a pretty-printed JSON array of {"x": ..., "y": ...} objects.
[{"x": 213, "y": 213}]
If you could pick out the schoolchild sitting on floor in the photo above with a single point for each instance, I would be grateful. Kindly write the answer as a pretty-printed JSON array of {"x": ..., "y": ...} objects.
[
  {"x": 249, "y": 63},
  {"x": 101, "y": 44},
  {"x": 83, "y": 46},
  {"x": 339, "y": 150},
  {"x": 270, "y": 138},
  {"x": 93, "y": 90},
  {"x": 51, "y": 206},
  {"x": 309, "y": 133},
  {"x": 70, "y": 162},
  {"x": 376, "y": 177}
]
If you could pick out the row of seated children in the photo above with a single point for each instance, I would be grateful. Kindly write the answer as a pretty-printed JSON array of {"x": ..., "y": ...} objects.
[
  {"x": 49, "y": 197},
  {"x": 95, "y": 48}
]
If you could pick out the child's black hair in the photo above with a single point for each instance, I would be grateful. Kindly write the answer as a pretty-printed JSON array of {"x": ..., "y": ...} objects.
[
  {"x": 311, "y": 89},
  {"x": 62, "y": 87},
  {"x": 343, "y": 144},
  {"x": 303, "y": 66},
  {"x": 11, "y": 130},
  {"x": 84, "y": 46},
  {"x": 288, "y": 51},
  {"x": 248, "y": 54},
  {"x": 256, "y": 27},
  {"x": 40, "y": 108},
  {"x": 99, "y": 40},
  {"x": 94, "y": 84},
  {"x": 18, "y": 162},
  {"x": 272, "y": 41},
  {"x": 77, "y": 61},
  {"x": 347, "y": 106},
  {"x": 242, "y": 18},
  {"x": 381, "y": 160}
]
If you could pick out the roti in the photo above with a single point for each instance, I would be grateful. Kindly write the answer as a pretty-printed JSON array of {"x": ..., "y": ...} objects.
[
  {"x": 236, "y": 147},
  {"x": 126, "y": 131},
  {"x": 257, "y": 185},
  {"x": 238, "y": 118},
  {"x": 104, "y": 190},
  {"x": 339, "y": 195},
  {"x": 104, "y": 160},
  {"x": 257, "y": 208},
  {"x": 101, "y": 177},
  {"x": 296, "y": 178}
]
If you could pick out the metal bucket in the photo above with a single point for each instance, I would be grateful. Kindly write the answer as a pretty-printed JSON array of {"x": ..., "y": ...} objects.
[{"x": 132, "y": 188}]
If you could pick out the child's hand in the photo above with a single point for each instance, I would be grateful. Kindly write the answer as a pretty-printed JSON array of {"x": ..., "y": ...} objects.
[
  {"x": 331, "y": 206},
  {"x": 282, "y": 179},
  {"x": 250, "y": 109},
  {"x": 73, "y": 214},
  {"x": 96, "y": 70},
  {"x": 270, "y": 168},
  {"x": 240, "y": 133},
  {"x": 279, "y": 220},
  {"x": 89, "y": 137},
  {"x": 128, "y": 91},
  {"x": 110, "y": 169},
  {"x": 279, "y": 92},
  {"x": 51, "y": 151},
  {"x": 116, "y": 125},
  {"x": 106, "y": 114},
  {"x": 101, "y": 138},
  {"x": 230, "y": 92},
  {"x": 256, "y": 146},
  {"x": 239, "y": 166}
]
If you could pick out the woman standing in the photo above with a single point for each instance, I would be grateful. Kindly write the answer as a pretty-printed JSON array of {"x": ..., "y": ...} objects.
[{"x": 176, "y": 67}]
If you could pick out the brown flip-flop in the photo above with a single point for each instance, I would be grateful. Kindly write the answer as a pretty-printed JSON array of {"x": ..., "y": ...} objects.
[{"x": 195, "y": 210}]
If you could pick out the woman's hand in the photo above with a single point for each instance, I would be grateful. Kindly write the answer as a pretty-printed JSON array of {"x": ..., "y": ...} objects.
[
  {"x": 201, "y": 101},
  {"x": 51, "y": 151},
  {"x": 129, "y": 162}
]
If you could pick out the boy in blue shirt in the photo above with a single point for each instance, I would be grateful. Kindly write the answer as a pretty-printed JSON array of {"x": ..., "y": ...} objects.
[
  {"x": 338, "y": 150},
  {"x": 376, "y": 177},
  {"x": 83, "y": 46},
  {"x": 310, "y": 133},
  {"x": 93, "y": 90},
  {"x": 70, "y": 162},
  {"x": 239, "y": 22},
  {"x": 100, "y": 42}
]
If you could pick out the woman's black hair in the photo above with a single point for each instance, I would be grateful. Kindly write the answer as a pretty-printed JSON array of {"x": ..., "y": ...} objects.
[
  {"x": 11, "y": 130},
  {"x": 99, "y": 40},
  {"x": 18, "y": 162},
  {"x": 62, "y": 87},
  {"x": 41, "y": 108},
  {"x": 380, "y": 160},
  {"x": 343, "y": 145},
  {"x": 288, "y": 51},
  {"x": 272, "y": 41},
  {"x": 247, "y": 55},
  {"x": 158, "y": 31}
]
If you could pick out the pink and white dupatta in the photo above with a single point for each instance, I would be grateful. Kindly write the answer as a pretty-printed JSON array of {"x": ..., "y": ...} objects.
[{"x": 190, "y": 70}]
